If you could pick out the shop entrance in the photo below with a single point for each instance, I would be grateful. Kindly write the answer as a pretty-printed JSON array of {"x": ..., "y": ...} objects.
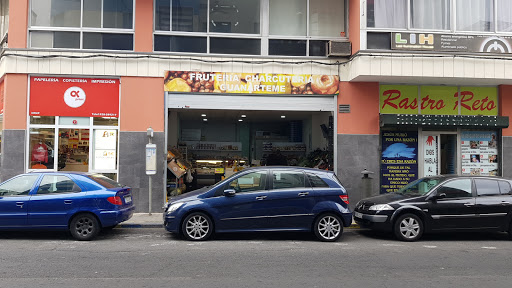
[
  {"x": 209, "y": 145},
  {"x": 440, "y": 154},
  {"x": 73, "y": 150}
]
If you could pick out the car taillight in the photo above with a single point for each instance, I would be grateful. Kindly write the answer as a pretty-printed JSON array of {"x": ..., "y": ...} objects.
[
  {"x": 116, "y": 200},
  {"x": 344, "y": 198}
]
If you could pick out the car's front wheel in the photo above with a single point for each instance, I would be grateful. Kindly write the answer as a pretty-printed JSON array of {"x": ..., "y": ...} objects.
[
  {"x": 197, "y": 227},
  {"x": 84, "y": 227},
  {"x": 408, "y": 227},
  {"x": 328, "y": 227}
]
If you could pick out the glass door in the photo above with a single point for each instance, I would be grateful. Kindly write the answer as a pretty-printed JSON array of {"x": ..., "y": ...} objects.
[
  {"x": 439, "y": 152},
  {"x": 73, "y": 150}
]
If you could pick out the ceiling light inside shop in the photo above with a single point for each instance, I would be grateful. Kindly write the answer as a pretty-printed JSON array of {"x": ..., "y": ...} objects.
[
  {"x": 209, "y": 161},
  {"x": 205, "y": 119},
  {"x": 203, "y": 115},
  {"x": 240, "y": 120},
  {"x": 243, "y": 116},
  {"x": 282, "y": 116}
]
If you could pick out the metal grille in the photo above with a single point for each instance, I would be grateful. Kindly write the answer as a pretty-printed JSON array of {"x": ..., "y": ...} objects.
[{"x": 344, "y": 108}]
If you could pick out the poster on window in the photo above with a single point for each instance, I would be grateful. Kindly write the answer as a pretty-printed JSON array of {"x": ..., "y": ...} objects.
[
  {"x": 479, "y": 151},
  {"x": 105, "y": 148},
  {"x": 399, "y": 162},
  {"x": 430, "y": 155}
]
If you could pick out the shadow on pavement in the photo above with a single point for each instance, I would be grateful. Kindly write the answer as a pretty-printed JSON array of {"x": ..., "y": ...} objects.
[{"x": 442, "y": 236}]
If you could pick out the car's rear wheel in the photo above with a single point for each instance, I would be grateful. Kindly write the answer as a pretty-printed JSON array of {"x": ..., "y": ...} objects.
[
  {"x": 328, "y": 227},
  {"x": 197, "y": 227},
  {"x": 408, "y": 227},
  {"x": 84, "y": 227}
]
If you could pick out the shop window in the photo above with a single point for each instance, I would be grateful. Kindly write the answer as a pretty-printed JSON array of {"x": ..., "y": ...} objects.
[
  {"x": 73, "y": 150},
  {"x": 42, "y": 119},
  {"x": 96, "y": 14},
  {"x": 53, "y": 184},
  {"x": 105, "y": 149},
  {"x": 284, "y": 180},
  {"x": 42, "y": 147}
]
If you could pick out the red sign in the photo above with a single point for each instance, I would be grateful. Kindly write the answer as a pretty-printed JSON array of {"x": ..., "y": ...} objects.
[{"x": 78, "y": 97}]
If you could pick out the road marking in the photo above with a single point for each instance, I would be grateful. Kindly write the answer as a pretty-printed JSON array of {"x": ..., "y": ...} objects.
[
  {"x": 428, "y": 246},
  {"x": 485, "y": 247}
]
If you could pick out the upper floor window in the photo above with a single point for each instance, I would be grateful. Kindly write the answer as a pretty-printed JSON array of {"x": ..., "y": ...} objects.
[
  {"x": 451, "y": 15},
  {"x": 252, "y": 27},
  {"x": 4, "y": 17},
  {"x": 82, "y": 24}
]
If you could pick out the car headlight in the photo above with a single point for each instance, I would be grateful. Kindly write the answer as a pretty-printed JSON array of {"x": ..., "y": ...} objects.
[
  {"x": 174, "y": 207},
  {"x": 381, "y": 207}
]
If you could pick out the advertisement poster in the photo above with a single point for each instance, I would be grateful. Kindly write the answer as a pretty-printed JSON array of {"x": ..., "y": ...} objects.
[
  {"x": 479, "y": 153},
  {"x": 399, "y": 162},
  {"x": 430, "y": 155},
  {"x": 250, "y": 83},
  {"x": 105, "y": 148}
]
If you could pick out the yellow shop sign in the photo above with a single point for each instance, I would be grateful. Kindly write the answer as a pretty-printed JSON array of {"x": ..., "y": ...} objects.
[
  {"x": 438, "y": 100},
  {"x": 249, "y": 83}
]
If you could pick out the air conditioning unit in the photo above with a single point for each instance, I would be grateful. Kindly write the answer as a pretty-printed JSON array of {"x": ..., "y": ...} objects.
[{"x": 339, "y": 48}]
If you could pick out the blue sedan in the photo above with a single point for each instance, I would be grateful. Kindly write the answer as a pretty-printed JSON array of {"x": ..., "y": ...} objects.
[
  {"x": 82, "y": 203},
  {"x": 263, "y": 199}
]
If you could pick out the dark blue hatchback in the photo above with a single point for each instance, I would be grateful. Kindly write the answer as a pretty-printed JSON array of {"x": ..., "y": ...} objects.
[
  {"x": 79, "y": 202},
  {"x": 263, "y": 199}
]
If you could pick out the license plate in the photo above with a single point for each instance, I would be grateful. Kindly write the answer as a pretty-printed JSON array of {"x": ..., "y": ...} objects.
[
  {"x": 127, "y": 199},
  {"x": 358, "y": 215}
]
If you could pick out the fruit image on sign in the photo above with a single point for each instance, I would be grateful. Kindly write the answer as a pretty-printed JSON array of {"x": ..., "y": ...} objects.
[{"x": 243, "y": 83}]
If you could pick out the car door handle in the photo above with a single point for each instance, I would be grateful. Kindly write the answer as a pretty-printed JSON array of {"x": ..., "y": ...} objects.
[
  {"x": 20, "y": 204},
  {"x": 303, "y": 194},
  {"x": 68, "y": 201},
  {"x": 261, "y": 197},
  {"x": 469, "y": 204}
]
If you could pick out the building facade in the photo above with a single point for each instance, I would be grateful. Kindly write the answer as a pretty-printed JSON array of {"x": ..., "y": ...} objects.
[{"x": 401, "y": 88}]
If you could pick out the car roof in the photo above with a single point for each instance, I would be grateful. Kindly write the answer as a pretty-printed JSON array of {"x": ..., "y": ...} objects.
[
  {"x": 62, "y": 172},
  {"x": 315, "y": 170},
  {"x": 450, "y": 176}
]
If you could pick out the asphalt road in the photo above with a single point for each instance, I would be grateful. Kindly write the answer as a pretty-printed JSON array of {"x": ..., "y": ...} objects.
[{"x": 146, "y": 257}]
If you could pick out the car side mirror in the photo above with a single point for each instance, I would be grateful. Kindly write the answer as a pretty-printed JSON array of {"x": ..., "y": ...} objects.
[
  {"x": 229, "y": 192},
  {"x": 437, "y": 196}
]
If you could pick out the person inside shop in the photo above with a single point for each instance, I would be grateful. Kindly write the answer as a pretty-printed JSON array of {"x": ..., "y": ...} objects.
[
  {"x": 39, "y": 155},
  {"x": 475, "y": 159}
]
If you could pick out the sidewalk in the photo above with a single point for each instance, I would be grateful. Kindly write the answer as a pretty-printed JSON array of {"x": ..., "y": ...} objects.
[{"x": 155, "y": 220}]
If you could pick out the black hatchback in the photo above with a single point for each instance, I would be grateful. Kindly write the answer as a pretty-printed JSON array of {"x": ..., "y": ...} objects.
[{"x": 440, "y": 203}]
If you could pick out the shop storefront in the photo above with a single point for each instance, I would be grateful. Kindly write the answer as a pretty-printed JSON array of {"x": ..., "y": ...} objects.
[
  {"x": 432, "y": 130},
  {"x": 73, "y": 125},
  {"x": 220, "y": 123}
]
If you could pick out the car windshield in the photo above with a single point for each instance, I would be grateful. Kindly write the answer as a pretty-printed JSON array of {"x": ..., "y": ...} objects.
[{"x": 420, "y": 187}]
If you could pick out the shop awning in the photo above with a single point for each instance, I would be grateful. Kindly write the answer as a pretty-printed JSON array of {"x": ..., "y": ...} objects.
[{"x": 451, "y": 121}]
